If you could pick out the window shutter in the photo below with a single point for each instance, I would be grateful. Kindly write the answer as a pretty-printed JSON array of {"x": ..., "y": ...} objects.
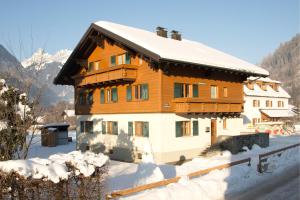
[
  {"x": 113, "y": 60},
  {"x": 81, "y": 126},
  {"x": 103, "y": 127},
  {"x": 102, "y": 97},
  {"x": 195, "y": 90},
  {"x": 114, "y": 94},
  {"x": 195, "y": 128},
  {"x": 129, "y": 93},
  {"x": 127, "y": 58},
  {"x": 115, "y": 128},
  {"x": 178, "y": 129},
  {"x": 146, "y": 129},
  {"x": 177, "y": 90},
  {"x": 144, "y": 89},
  {"x": 130, "y": 128}
]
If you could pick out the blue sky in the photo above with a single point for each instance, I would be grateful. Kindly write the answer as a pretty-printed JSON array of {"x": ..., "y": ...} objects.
[{"x": 246, "y": 29}]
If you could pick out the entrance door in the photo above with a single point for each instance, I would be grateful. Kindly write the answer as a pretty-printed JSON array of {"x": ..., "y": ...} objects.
[{"x": 213, "y": 131}]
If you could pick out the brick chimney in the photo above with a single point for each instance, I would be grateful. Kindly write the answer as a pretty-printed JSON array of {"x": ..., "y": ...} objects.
[
  {"x": 175, "y": 35},
  {"x": 161, "y": 31}
]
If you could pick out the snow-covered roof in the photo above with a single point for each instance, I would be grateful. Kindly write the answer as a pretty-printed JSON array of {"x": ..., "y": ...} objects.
[
  {"x": 53, "y": 125},
  {"x": 263, "y": 79},
  {"x": 182, "y": 51},
  {"x": 278, "y": 112},
  {"x": 270, "y": 92}
]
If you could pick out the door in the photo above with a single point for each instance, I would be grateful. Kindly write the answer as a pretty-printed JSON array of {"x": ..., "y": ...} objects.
[{"x": 213, "y": 131}]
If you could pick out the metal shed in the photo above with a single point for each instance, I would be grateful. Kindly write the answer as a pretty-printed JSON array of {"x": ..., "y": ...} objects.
[{"x": 54, "y": 134}]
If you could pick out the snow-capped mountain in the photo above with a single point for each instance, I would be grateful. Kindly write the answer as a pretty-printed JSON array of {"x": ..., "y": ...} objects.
[
  {"x": 44, "y": 67},
  {"x": 40, "y": 58}
]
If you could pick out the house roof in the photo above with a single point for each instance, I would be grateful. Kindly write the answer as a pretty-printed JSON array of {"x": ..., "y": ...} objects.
[
  {"x": 166, "y": 49},
  {"x": 263, "y": 79},
  {"x": 278, "y": 112},
  {"x": 270, "y": 92}
]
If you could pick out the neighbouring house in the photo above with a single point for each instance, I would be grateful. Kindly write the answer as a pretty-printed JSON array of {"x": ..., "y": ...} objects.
[
  {"x": 70, "y": 118},
  {"x": 135, "y": 88},
  {"x": 68, "y": 114},
  {"x": 266, "y": 105}
]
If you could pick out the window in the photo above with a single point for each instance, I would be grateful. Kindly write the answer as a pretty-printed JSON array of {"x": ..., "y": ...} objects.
[
  {"x": 129, "y": 93},
  {"x": 120, "y": 59},
  {"x": 81, "y": 98},
  {"x": 183, "y": 128},
  {"x": 195, "y": 128},
  {"x": 130, "y": 128},
  {"x": 268, "y": 103},
  {"x": 86, "y": 126},
  {"x": 142, "y": 129},
  {"x": 214, "y": 92},
  {"x": 90, "y": 66},
  {"x": 108, "y": 95},
  {"x": 140, "y": 59},
  {"x": 254, "y": 121},
  {"x": 224, "y": 124},
  {"x": 112, "y": 128},
  {"x": 127, "y": 58},
  {"x": 225, "y": 92},
  {"x": 185, "y": 90},
  {"x": 250, "y": 85},
  {"x": 256, "y": 103},
  {"x": 280, "y": 104},
  {"x": 102, "y": 96},
  {"x": 89, "y": 98},
  {"x": 112, "y": 61},
  {"x": 97, "y": 65},
  {"x": 141, "y": 91},
  {"x": 195, "y": 90}
]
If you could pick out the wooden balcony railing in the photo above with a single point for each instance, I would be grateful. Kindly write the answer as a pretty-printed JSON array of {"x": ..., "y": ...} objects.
[
  {"x": 190, "y": 105},
  {"x": 112, "y": 74}
]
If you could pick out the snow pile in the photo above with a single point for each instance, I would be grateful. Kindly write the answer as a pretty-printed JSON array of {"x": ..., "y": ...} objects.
[
  {"x": 40, "y": 58},
  {"x": 148, "y": 171},
  {"x": 55, "y": 167}
]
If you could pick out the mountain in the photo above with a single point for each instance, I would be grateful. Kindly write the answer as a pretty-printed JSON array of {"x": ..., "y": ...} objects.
[
  {"x": 38, "y": 71},
  {"x": 44, "y": 67},
  {"x": 284, "y": 65}
]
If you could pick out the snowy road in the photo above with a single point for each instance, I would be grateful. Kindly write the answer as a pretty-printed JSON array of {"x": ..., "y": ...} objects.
[{"x": 284, "y": 186}]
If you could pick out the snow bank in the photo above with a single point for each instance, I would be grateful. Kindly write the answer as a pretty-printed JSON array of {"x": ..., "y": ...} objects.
[{"x": 55, "y": 167}]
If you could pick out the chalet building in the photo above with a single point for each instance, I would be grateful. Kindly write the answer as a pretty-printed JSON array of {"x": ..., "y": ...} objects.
[
  {"x": 265, "y": 101},
  {"x": 134, "y": 87}
]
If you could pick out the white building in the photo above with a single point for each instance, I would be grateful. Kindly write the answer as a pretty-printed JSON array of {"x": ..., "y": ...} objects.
[{"x": 265, "y": 101}]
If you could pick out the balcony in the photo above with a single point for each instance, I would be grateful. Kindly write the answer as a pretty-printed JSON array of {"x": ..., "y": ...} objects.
[
  {"x": 108, "y": 75},
  {"x": 190, "y": 105}
]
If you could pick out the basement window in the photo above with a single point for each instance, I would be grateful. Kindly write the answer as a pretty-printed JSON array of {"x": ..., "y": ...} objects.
[
  {"x": 86, "y": 127},
  {"x": 141, "y": 129},
  {"x": 183, "y": 128}
]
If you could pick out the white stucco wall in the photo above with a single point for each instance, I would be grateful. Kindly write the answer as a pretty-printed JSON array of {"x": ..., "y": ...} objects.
[{"x": 165, "y": 145}]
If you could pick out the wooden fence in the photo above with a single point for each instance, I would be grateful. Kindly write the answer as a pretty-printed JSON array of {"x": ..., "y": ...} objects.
[
  {"x": 262, "y": 166},
  {"x": 262, "y": 159},
  {"x": 165, "y": 182}
]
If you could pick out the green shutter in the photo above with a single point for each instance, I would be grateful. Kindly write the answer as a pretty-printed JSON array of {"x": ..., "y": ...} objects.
[
  {"x": 195, "y": 128},
  {"x": 103, "y": 127},
  {"x": 130, "y": 128},
  {"x": 81, "y": 126},
  {"x": 146, "y": 129},
  {"x": 177, "y": 90},
  {"x": 178, "y": 129},
  {"x": 127, "y": 58},
  {"x": 144, "y": 91},
  {"x": 195, "y": 90},
  {"x": 114, "y": 94},
  {"x": 129, "y": 93},
  {"x": 115, "y": 128},
  {"x": 102, "y": 97},
  {"x": 113, "y": 60}
]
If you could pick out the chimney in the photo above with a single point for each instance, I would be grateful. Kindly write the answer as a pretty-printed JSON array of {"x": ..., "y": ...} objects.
[
  {"x": 175, "y": 35},
  {"x": 161, "y": 31}
]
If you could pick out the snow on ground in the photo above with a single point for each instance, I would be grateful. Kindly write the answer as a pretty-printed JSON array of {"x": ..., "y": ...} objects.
[
  {"x": 211, "y": 186},
  {"x": 37, "y": 150}
]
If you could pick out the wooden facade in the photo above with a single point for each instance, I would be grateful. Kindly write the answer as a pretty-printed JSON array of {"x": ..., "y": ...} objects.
[{"x": 160, "y": 81}]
